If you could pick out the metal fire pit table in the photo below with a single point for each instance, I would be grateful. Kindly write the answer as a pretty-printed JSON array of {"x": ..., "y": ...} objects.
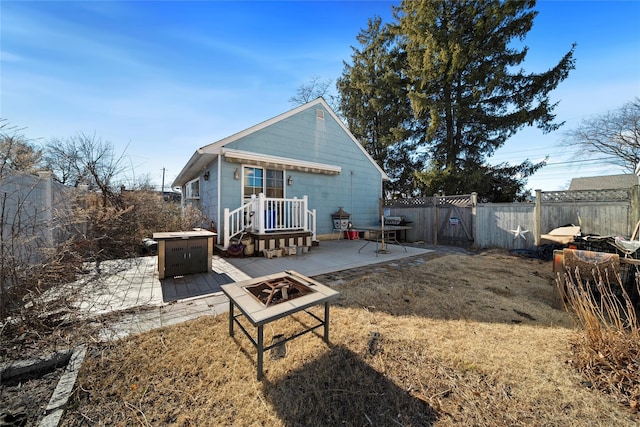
[{"x": 308, "y": 293}]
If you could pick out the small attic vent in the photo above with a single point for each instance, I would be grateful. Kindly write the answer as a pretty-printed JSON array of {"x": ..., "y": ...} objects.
[{"x": 320, "y": 114}]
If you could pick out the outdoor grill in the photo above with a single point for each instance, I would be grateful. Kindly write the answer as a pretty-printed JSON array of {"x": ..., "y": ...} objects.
[
  {"x": 341, "y": 220},
  {"x": 392, "y": 220},
  {"x": 395, "y": 220}
]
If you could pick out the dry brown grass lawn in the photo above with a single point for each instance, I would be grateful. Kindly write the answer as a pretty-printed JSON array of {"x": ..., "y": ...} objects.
[{"x": 463, "y": 340}]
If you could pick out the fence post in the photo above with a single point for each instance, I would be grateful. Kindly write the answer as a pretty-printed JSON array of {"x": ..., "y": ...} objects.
[
  {"x": 635, "y": 211},
  {"x": 435, "y": 219},
  {"x": 474, "y": 216},
  {"x": 537, "y": 220},
  {"x": 47, "y": 202}
]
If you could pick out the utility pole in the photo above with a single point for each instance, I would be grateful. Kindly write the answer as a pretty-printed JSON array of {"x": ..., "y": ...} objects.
[{"x": 162, "y": 182}]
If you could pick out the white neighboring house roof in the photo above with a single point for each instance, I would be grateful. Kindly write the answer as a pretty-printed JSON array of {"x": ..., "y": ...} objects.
[
  {"x": 205, "y": 155},
  {"x": 605, "y": 182}
]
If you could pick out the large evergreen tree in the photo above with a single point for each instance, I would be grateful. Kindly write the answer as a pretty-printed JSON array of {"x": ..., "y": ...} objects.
[
  {"x": 466, "y": 89},
  {"x": 375, "y": 105}
]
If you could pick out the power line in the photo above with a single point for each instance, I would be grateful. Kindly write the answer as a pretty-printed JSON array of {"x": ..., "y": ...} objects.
[{"x": 581, "y": 161}]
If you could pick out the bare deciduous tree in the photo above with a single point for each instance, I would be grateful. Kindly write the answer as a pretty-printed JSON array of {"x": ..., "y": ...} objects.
[
  {"x": 316, "y": 88},
  {"x": 615, "y": 134},
  {"x": 61, "y": 157},
  {"x": 86, "y": 159}
]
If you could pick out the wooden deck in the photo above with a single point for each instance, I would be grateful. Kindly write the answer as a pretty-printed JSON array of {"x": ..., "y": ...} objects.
[{"x": 193, "y": 285}]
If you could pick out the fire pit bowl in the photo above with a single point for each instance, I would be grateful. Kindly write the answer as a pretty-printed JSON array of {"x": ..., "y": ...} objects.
[{"x": 274, "y": 291}]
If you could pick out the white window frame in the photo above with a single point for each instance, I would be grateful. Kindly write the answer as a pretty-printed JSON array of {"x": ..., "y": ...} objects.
[
  {"x": 264, "y": 180},
  {"x": 192, "y": 189},
  {"x": 246, "y": 198}
]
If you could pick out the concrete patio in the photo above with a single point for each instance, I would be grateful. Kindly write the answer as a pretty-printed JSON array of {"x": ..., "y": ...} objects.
[
  {"x": 145, "y": 302},
  {"x": 329, "y": 256}
]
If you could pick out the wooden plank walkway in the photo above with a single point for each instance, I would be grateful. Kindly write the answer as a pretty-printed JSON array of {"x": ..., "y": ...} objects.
[{"x": 193, "y": 285}]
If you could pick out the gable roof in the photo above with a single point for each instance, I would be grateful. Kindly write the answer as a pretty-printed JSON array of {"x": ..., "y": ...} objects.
[
  {"x": 606, "y": 182},
  {"x": 205, "y": 155}
]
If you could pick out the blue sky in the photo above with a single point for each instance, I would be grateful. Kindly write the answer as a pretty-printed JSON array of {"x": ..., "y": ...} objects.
[{"x": 160, "y": 79}]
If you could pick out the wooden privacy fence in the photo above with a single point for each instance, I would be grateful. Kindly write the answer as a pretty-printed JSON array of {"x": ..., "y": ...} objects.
[
  {"x": 462, "y": 221},
  {"x": 438, "y": 219}
]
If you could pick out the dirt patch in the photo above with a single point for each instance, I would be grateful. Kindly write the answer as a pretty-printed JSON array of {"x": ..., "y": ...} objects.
[
  {"x": 488, "y": 287},
  {"x": 24, "y": 400},
  {"x": 24, "y": 397}
]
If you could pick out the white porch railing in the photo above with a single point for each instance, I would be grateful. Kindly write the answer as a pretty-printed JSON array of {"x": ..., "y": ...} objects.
[{"x": 266, "y": 214}]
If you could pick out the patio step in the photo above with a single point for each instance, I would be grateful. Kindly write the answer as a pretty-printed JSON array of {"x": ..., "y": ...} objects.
[
  {"x": 269, "y": 241},
  {"x": 281, "y": 240}
]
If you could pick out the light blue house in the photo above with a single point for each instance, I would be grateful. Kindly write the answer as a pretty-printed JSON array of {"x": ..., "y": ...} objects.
[{"x": 281, "y": 180}]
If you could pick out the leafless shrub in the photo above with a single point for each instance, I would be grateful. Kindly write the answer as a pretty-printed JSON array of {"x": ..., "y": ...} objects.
[
  {"x": 116, "y": 231},
  {"x": 36, "y": 257},
  {"x": 53, "y": 225},
  {"x": 607, "y": 349},
  {"x": 193, "y": 217}
]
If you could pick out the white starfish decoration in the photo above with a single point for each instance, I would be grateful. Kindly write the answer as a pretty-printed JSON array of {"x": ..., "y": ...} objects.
[{"x": 519, "y": 232}]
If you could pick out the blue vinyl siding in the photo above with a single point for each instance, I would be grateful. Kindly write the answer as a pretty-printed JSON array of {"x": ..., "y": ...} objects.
[
  {"x": 210, "y": 193},
  {"x": 231, "y": 188},
  {"x": 358, "y": 188}
]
